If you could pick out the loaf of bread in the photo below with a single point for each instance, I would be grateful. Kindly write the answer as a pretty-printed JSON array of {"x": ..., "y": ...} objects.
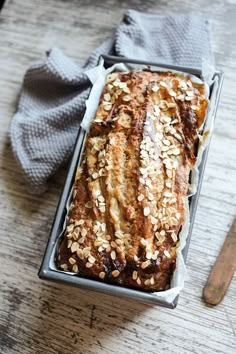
[{"x": 129, "y": 194}]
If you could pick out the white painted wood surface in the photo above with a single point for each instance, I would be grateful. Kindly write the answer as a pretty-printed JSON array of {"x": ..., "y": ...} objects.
[{"x": 38, "y": 317}]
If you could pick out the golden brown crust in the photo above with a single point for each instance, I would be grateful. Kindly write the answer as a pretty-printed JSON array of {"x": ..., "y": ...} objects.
[{"x": 129, "y": 195}]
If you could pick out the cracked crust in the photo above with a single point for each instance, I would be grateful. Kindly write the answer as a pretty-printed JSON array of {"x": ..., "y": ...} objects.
[{"x": 129, "y": 195}]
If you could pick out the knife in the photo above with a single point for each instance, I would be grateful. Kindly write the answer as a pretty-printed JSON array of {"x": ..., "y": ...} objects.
[{"x": 222, "y": 271}]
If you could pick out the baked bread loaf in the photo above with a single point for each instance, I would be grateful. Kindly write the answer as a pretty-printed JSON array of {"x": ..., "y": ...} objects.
[{"x": 129, "y": 194}]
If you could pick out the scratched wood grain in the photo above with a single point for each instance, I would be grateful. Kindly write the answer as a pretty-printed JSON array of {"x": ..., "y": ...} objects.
[{"x": 38, "y": 317}]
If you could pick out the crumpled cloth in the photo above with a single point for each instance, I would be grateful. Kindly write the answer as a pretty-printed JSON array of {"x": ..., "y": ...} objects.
[{"x": 54, "y": 90}]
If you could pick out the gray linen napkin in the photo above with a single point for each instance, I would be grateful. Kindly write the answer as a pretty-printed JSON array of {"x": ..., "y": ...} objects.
[{"x": 52, "y": 102}]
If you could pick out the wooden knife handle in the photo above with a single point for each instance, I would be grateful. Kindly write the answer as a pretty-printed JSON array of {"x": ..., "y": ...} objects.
[{"x": 223, "y": 270}]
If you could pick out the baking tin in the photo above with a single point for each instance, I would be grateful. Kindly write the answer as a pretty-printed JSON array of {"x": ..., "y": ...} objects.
[{"x": 46, "y": 271}]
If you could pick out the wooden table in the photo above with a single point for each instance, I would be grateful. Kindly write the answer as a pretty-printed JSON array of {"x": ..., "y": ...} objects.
[{"x": 38, "y": 317}]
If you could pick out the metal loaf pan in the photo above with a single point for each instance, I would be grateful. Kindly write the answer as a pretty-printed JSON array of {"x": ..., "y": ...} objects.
[{"x": 50, "y": 273}]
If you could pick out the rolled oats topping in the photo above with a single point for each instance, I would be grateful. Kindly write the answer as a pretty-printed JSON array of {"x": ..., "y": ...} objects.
[{"x": 127, "y": 205}]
